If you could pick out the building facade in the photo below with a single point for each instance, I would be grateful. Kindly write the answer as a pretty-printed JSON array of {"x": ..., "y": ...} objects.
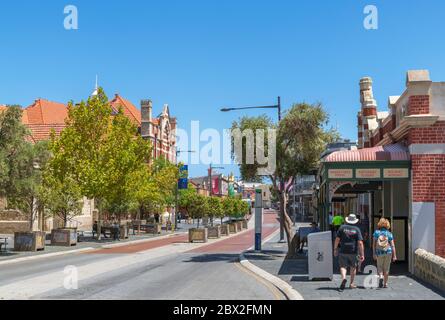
[
  {"x": 398, "y": 171},
  {"x": 43, "y": 116}
]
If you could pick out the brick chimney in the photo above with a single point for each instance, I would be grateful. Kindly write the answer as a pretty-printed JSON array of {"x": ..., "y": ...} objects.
[
  {"x": 146, "y": 109},
  {"x": 368, "y": 110}
]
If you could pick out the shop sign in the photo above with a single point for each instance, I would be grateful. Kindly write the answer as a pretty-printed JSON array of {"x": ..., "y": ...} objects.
[
  {"x": 340, "y": 173},
  {"x": 367, "y": 173},
  {"x": 401, "y": 173}
]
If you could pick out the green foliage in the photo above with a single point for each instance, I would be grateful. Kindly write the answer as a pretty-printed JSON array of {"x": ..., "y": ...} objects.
[
  {"x": 20, "y": 162},
  {"x": 245, "y": 125},
  {"x": 214, "y": 208},
  {"x": 197, "y": 206},
  {"x": 155, "y": 185},
  {"x": 102, "y": 153}
]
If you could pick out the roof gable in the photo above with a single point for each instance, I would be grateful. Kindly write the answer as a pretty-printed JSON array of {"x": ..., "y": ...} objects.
[{"x": 128, "y": 109}]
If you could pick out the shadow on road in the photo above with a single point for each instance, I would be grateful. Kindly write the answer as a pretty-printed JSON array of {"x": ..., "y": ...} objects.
[{"x": 214, "y": 257}]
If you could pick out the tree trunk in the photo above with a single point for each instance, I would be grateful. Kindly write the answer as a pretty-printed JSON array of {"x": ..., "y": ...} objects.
[{"x": 287, "y": 224}]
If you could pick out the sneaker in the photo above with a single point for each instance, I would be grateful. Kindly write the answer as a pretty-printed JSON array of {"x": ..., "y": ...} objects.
[
  {"x": 380, "y": 283},
  {"x": 343, "y": 285}
]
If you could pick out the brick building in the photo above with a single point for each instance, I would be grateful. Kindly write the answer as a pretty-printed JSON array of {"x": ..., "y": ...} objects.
[
  {"x": 398, "y": 170},
  {"x": 43, "y": 116}
]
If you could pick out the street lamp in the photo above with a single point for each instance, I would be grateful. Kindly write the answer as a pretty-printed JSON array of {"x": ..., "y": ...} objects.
[
  {"x": 177, "y": 152},
  {"x": 278, "y": 107}
]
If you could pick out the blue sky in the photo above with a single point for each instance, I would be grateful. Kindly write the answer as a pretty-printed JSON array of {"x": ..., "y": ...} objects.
[{"x": 201, "y": 55}]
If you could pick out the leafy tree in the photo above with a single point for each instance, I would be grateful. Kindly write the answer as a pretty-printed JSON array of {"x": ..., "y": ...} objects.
[
  {"x": 228, "y": 207},
  {"x": 20, "y": 163},
  {"x": 101, "y": 151},
  {"x": 61, "y": 198},
  {"x": 185, "y": 197},
  {"x": 300, "y": 141},
  {"x": 197, "y": 206},
  {"x": 214, "y": 208}
]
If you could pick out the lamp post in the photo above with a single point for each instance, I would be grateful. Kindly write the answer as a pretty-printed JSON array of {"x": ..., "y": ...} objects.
[
  {"x": 177, "y": 152},
  {"x": 278, "y": 107}
]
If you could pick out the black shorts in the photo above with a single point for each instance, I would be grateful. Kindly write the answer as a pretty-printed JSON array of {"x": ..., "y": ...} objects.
[{"x": 347, "y": 260}]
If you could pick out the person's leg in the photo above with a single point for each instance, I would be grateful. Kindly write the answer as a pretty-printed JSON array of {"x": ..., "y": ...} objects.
[
  {"x": 343, "y": 272},
  {"x": 386, "y": 268},
  {"x": 352, "y": 271},
  {"x": 380, "y": 270}
]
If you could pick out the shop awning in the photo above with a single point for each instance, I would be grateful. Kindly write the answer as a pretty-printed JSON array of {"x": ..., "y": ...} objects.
[
  {"x": 394, "y": 152},
  {"x": 391, "y": 162}
]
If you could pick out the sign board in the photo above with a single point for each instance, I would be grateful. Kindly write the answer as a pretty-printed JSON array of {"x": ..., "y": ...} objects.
[
  {"x": 183, "y": 177},
  {"x": 402, "y": 173},
  {"x": 367, "y": 173},
  {"x": 340, "y": 173}
]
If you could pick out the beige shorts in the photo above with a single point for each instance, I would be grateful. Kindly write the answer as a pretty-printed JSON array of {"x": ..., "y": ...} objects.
[{"x": 384, "y": 263}]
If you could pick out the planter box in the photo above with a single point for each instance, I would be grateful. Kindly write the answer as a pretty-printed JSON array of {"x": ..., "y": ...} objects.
[
  {"x": 233, "y": 227},
  {"x": 225, "y": 231},
  {"x": 214, "y": 232},
  {"x": 245, "y": 224},
  {"x": 64, "y": 237},
  {"x": 196, "y": 234},
  {"x": 29, "y": 241},
  {"x": 123, "y": 229},
  {"x": 240, "y": 225}
]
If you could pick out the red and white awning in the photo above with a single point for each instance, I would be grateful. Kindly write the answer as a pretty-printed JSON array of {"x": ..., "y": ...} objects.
[{"x": 394, "y": 152}]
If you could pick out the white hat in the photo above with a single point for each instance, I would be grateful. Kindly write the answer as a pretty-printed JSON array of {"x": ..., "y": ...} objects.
[{"x": 351, "y": 219}]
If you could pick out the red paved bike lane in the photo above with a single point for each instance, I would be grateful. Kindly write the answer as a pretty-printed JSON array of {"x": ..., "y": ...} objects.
[
  {"x": 236, "y": 243},
  {"x": 243, "y": 241}
]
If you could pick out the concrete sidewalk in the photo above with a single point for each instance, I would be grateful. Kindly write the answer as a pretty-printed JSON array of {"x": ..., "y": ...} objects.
[{"x": 402, "y": 286}]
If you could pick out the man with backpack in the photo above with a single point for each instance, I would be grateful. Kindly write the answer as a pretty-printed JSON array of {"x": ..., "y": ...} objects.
[
  {"x": 384, "y": 251},
  {"x": 350, "y": 239}
]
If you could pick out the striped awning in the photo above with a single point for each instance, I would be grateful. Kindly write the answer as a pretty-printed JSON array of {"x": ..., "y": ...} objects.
[{"x": 394, "y": 152}]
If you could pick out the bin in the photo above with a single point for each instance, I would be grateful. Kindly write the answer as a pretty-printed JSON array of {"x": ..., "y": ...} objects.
[{"x": 320, "y": 260}]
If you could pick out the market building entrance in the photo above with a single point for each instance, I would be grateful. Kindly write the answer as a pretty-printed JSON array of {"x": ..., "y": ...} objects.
[{"x": 371, "y": 183}]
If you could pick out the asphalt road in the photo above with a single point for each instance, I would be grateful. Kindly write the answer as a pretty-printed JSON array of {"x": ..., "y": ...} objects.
[{"x": 174, "y": 271}]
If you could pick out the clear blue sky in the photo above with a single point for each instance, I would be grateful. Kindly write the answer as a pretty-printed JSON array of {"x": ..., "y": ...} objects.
[{"x": 201, "y": 55}]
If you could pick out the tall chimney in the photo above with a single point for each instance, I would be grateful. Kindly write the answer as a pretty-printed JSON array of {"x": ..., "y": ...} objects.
[
  {"x": 368, "y": 111},
  {"x": 146, "y": 108}
]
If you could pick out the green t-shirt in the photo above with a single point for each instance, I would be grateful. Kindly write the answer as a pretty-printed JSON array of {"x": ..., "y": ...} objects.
[{"x": 338, "y": 220}]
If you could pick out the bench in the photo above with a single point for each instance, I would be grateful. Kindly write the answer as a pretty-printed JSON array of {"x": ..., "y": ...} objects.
[{"x": 3, "y": 243}]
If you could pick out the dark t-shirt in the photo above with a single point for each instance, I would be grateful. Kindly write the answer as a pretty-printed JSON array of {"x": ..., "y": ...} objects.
[{"x": 349, "y": 237}]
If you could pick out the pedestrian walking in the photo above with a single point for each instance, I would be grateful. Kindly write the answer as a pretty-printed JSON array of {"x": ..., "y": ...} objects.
[
  {"x": 384, "y": 251},
  {"x": 350, "y": 239}
]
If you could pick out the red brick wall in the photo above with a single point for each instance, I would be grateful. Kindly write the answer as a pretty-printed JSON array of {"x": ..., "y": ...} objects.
[
  {"x": 433, "y": 134},
  {"x": 419, "y": 105},
  {"x": 429, "y": 177}
]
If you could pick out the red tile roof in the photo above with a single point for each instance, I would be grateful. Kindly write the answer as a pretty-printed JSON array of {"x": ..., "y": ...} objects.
[
  {"x": 41, "y": 132},
  {"x": 45, "y": 112},
  {"x": 128, "y": 108},
  {"x": 44, "y": 115},
  {"x": 2, "y": 108}
]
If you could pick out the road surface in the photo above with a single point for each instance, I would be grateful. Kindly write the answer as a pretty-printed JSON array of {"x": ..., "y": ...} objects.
[{"x": 167, "y": 268}]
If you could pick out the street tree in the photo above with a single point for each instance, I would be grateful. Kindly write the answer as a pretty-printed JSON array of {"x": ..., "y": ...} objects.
[
  {"x": 300, "y": 140},
  {"x": 21, "y": 164},
  {"x": 214, "y": 208}
]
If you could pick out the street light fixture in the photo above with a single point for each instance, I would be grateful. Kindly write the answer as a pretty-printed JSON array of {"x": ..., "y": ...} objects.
[{"x": 278, "y": 107}]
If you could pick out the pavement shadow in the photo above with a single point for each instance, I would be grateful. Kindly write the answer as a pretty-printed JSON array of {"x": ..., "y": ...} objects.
[{"x": 214, "y": 257}]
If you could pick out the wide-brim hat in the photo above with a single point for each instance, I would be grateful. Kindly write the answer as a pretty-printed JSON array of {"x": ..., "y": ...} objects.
[{"x": 351, "y": 219}]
